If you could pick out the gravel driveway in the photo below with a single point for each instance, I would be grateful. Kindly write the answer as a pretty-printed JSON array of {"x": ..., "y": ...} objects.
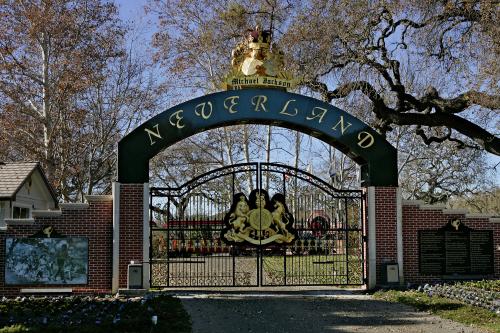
[{"x": 309, "y": 312}]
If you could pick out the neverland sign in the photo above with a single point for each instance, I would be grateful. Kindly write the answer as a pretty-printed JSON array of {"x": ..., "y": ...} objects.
[
  {"x": 258, "y": 220},
  {"x": 336, "y": 127},
  {"x": 257, "y": 66}
]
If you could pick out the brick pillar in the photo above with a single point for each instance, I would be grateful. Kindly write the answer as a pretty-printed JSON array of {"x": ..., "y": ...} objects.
[
  {"x": 131, "y": 228},
  {"x": 385, "y": 228}
]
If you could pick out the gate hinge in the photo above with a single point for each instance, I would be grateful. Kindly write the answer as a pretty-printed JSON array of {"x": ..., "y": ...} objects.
[{"x": 365, "y": 238}]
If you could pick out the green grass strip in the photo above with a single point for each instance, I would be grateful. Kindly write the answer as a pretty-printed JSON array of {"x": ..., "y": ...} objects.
[{"x": 445, "y": 308}]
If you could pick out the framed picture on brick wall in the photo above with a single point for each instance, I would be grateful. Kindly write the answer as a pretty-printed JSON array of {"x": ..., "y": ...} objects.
[{"x": 52, "y": 261}]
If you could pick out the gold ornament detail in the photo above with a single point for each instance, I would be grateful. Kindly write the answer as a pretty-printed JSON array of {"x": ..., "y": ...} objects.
[
  {"x": 258, "y": 220},
  {"x": 257, "y": 63}
]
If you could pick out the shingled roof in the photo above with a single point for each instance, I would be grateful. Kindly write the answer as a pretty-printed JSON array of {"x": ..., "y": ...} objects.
[{"x": 14, "y": 174}]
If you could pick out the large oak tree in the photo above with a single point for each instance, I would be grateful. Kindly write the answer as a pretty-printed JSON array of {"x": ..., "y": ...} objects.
[
  {"x": 427, "y": 69},
  {"x": 427, "y": 64}
]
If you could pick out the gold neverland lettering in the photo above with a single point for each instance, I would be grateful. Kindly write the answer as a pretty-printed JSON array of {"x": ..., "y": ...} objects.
[
  {"x": 234, "y": 101},
  {"x": 199, "y": 110},
  {"x": 283, "y": 111},
  {"x": 365, "y": 139},
  {"x": 152, "y": 134},
  {"x": 259, "y": 102},
  {"x": 315, "y": 115},
  {"x": 341, "y": 123},
  {"x": 178, "y": 119}
]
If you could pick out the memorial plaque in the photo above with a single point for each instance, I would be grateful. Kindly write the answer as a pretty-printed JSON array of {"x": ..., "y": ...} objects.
[
  {"x": 432, "y": 250},
  {"x": 457, "y": 252},
  {"x": 456, "y": 249},
  {"x": 481, "y": 252}
]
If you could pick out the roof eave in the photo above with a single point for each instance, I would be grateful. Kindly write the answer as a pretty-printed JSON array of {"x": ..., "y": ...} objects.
[{"x": 46, "y": 181}]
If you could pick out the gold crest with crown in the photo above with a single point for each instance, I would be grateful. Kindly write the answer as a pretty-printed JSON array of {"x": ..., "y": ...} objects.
[{"x": 257, "y": 63}]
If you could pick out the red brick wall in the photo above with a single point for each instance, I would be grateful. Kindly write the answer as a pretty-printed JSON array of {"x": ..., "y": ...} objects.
[
  {"x": 94, "y": 223},
  {"x": 415, "y": 219},
  {"x": 386, "y": 238},
  {"x": 131, "y": 227}
]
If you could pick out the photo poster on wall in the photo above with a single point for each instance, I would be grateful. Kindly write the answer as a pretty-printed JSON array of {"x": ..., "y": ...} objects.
[{"x": 46, "y": 261}]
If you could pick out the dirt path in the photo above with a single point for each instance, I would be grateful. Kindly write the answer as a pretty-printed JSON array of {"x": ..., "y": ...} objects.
[{"x": 308, "y": 312}]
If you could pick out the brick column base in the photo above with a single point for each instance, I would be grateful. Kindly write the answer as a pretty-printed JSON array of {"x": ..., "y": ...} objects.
[{"x": 131, "y": 228}]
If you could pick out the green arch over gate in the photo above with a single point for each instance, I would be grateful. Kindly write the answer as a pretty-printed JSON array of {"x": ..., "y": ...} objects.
[{"x": 376, "y": 156}]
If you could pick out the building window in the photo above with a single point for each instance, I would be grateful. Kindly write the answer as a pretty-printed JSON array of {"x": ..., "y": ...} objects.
[{"x": 20, "y": 212}]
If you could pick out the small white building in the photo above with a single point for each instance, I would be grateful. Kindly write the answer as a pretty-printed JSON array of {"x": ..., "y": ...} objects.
[{"x": 23, "y": 188}]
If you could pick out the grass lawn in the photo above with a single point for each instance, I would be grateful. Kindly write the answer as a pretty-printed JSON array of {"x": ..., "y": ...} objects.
[
  {"x": 445, "y": 308},
  {"x": 315, "y": 269},
  {"x": 93, "y": 315}
]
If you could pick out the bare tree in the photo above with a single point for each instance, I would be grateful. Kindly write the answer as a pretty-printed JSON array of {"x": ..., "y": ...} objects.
[
  {"x": 342, "y": 47},
  {"x": 421, "y": 73},
  {"x": 437, "y": 173},
  {"x": 69, "y": 90},
  {"x": 113, "y": 107},
  {"x": 51, "y": 51},
  {"x": 486, "y": 201}
]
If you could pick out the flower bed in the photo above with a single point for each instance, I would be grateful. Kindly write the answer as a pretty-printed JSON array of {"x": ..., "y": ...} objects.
[
  {"x": 485, "y": 294},
  {"x": 93, "y": 314}
]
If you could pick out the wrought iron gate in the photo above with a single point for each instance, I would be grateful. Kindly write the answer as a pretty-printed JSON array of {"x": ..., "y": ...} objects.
[{"x": 187, "y": 226}]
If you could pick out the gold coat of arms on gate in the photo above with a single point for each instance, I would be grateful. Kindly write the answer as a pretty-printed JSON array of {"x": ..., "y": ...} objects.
[{"x": 258, "y": 220}]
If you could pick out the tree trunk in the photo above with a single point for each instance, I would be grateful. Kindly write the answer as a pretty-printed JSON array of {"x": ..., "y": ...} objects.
[{"x": 45, "y": 114}]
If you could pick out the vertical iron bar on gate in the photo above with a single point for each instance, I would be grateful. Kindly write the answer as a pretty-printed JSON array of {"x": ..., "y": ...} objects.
[
  {"x": 168, "y": 241},
  {"x": 231, "y": 248},
  {"x": 150, "y": 238},
  {"x": 347, "y": 240},
  {"x": 364, "y": 241},
  {"x": 260, "y": 252},
  {"x": 285, "y": 247}
]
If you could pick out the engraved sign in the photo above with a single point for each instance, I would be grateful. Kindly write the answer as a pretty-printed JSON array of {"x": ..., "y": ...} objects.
[
  {"x": 432, "y": 249},
  {"x": 481, "y": 251},
  {"x": 455, "y": 249},
  {"x": 457, "y": 252}
]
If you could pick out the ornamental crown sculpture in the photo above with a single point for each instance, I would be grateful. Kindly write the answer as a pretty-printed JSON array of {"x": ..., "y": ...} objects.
[
  {"x": 258, "y": 38},
  {"x": 258, "y": 63}
]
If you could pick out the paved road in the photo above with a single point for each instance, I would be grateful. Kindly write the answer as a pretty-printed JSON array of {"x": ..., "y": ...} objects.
[{"x": 309, "y": 313}]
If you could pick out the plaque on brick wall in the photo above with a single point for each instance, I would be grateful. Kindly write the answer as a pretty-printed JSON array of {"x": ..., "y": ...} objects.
[
  {"x": 457, "y": 252},
  {"x": 39, "y": 261},
  {"x": 481, "y": 251},
  {"x": 455, "y": 249},
  {"x": 432, "y": 251}
]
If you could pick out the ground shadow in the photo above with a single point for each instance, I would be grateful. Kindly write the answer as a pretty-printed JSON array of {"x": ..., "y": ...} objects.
[{"x": 296, "y": 314}]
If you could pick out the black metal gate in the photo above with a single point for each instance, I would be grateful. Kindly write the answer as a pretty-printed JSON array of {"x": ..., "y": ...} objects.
[{"x": 187, "y": 222}]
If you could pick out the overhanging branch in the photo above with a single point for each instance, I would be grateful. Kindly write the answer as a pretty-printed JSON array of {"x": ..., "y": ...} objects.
[{"x": 482, "y": 137}]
